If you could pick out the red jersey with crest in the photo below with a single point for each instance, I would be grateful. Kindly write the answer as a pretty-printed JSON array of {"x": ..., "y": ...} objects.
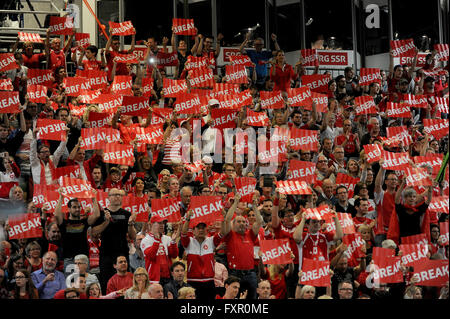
[
  {"x": 158, "y": 254},
  {"x": 314, "y": 246}
]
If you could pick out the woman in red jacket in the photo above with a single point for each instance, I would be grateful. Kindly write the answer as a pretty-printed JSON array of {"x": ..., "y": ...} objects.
[{"x": 282, "y": 73}]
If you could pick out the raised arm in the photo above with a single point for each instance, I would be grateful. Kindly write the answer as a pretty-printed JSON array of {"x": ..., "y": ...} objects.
[
  {"x": 339, "y": 233},
  {"x": 298, "y": 232},
  {"x": 95, "y": 209},
  {"x": 244, "y": 43},
  {"x": 398, "y": 194},
  {"x": 195, "y": 46},
  {"x": 58, "y": 209},
  {"x": 259, "y": 220},
  {"x": 226, "y": 225},
  {"x": 379, "y": 179},
  {"x": 275, "y": 42},
  {"x": 133, "y": 42},
  {"x": 69, "y": 42}
]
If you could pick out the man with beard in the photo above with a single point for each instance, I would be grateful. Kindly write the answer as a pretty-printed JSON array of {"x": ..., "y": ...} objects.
[{"x": 48, "y": 280}]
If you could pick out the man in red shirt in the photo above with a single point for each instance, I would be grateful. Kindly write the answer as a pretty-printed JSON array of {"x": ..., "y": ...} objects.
[
  {"x": 240, "y": 243},
  {"x": 348, "y": 140},
  {"x": 114, "y": 44},
  {"x": 56, "y": 56},
  {"x": 30, "y": 59},
  {"x": 362, "y": 207},
  {"x": 122, "y": 279}
]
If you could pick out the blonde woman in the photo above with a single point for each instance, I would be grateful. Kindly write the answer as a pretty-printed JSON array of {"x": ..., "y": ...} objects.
[
  {"x": 140, "y": 287},
  {"x": 306, "y": 292},
  {"x": 163, "y": 181},
  {"x": 186, "y": 293},
  {"x": 89, "y": 109}
]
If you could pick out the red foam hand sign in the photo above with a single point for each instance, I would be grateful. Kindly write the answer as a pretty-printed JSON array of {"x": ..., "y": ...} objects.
[
  {"x": 346, "y": 221},
  {"x": 72, "y": 171},
  {"x": 246, "y": 186},
  {"x": 257, "y": 118},
  {"x": 415, "y": 239},
  {"x": 412, "y": 254},
  {"x": 388, "y": 270},
  {"x": 306, "y": 140},
  {"x": 236, "y": 74},
  {"x": 432, "y": 273},
  {"x": 135, "y": 105},
  {"x": 122, "y": 28},
  {"x": 321, "y": 101},
  {"x": 315, "y": 273},
  {"x": 25, "y": 226},
  {"x": 271, "y": 99},
  {"x": 97, "y": 79},
  {"x": 201, "y": 77},
  {"x": 50, "y": 129},
  {"x": 302, "y": 171},
  {"x": 167, "y": 208},
  {"x": 167, "y": 59},
  {"x": 373, "y": 152},
  {"x": 83, "y": 39},
  {"x": 436, "y": 127},
  {"x": 74, "y": 187},
  {"x": 293, "y": 188},
  {"x": 235, "y": 101},
  {"x": 443, "y": 226},
  {"x": 61, "y": 25},
  {"x": 243, "y": 60},
  {"x": 6, "y": 85},
  {"x": 310, "y": 57},
  {"x": 416, "y": 176},
  {"x": 416, "y": 101},
  {"x": 369, "y": 75},
  {"x": 395, "y": 161},
  {"x": 196, "y": 62},
  {"x": 316, "y": 82},
  {"x": 441, "y": 51},
  {"x": 116, "y": 153},
  {"x": 74, "y": 85},
  {"x": 365, "y": 105},
  {"x": 187, "y": 103},
  {"x": 347, "y": 181},
  {"x": 401, "y": 110},
  {"x": 30, "y": 37},
  {"x": 9, "y": 102},
  {"x": 172, "y": 88},
  {"x": 354, "y": 250},
  {"x": 7, "y": 62},
  {"x": 223, "y": 118},
  {"x": 183, "y": 26},
  {"x": 42, "y": 77},
  {"x": 37, "y": 93},
  {"x": 138, "y": 206},
  {"x": 399, "y": 133},
  {"x": 206, "y": 209},
  {"x": 403, "y": 48},
  {"x": 275, "y": 252},
  {"x": 97, "y": 138},
  {"x": 300, "y": 96},
  {"x": 271, "y": 151}
]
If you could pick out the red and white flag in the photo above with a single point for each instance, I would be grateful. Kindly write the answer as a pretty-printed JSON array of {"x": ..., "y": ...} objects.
[
  {"x": 83, "y": 39},
  {"x": 7, "y": 62},
  {"x": 135, "y": 105},
  {"x": 399, "y": 133},
  {"x": 271, "y": 99},
  {"x": 172, "y": 88},
  {"x": 395, "y": 161},
  {"x": 97, "y": 79},
  {"x": 72, "y": 171},
  {"x": 347, "y": 181},
  {"x": 30, "y": 37},
  {"x": 436, "y": 127},
  {"x": 235, "y": 101},
  {"x": 6, "y": 85},
  {"x": 167, "y": 59},
  {"x": 321, "y": 101},
  {"x": 398, "y": 110},
  {"x": 37, "y": 93},
  {"x": 149, "y": 135},
  {"x": 322, "y": 212},
  {"x": 246, "y": 186},
  {"x": 98, "y": 138},
  {"x": 183, "y": 26},
  {"x": 167, "y": 208},
  {"x": 293, "y": 188},
  {"x": 299, "y": 96},
  {"x": 270, "y": 151},
  {"x": 355, "y": 244},
  {"x": 416, "y": 101},
  {"x": 194, "y": 62},
  {"x": 38, "y": 76},
  {"x": 403, "y": 48},
  {"x": 225, "y": 89},
  {"x": 116, "y": 153},
  {"x": 9, "y": 102},
  {"x": 138, "y": 206},
  {"x": 75, "y": 188},
  {"x": 433, "y": 273},
  {"x": 373, "y": 152},
  {"x": 412, "y": 254},
  {"x": 74, "y": 85},
  {"x": 306, "y": 140},
  {"x": 108, "y": 103},
  {"x": 301, "y": 171},
  {"x": 433, "y": 160},
  {"x": 416, "y": 176},
  {"x": 223, "y": 118},
  {"x": 195, "y": 167},
  {"x": 346, "y": 221},
  {"x": 388, "y": 270},
  {"x": 442, "y": 51},
  {"x": 61, "y": 25},
  {"x": 122, "y": 85},
  {"x": 241, "y": 59},
  {"x": 206, "y": 209},
  {"x": 236, "y": 74},
  {"x": 201, "y": 77},
  {"x": 257, "y": 118},
  {"x": 316, "y": 82},
  {"x": 442, "y": 105},
  {"x": 443, "y": 227},
  {"x": 365, "y": 105},
  {"x": 25, "y": 226},
  {"x": 187, "y": 103},
  {"x": 315, "y": 273},
  {"x": 369, "y": 75},
  {"x": 122, "y": 28},
  {"x": 275, "y": 252},
  {"x": 126, "y": 58},
  {"x": 50, "y": 129},
  {"x": 310, "y": 57},
  {"x": 415, "y": 239}
]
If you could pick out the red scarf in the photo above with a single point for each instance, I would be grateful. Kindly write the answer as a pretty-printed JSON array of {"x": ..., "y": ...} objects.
[{"x": 52, "y": 168}]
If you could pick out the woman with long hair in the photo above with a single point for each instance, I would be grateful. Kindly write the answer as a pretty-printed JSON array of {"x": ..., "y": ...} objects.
[
  {"x": 163, "y": 181},
  {"x": 138, "y": 187},
  {"x": 140, "y": 287},
  {"x": 282, "y": 73},
  {"x": 23, "y": 286},
  {"x": 93, "y": 291}
]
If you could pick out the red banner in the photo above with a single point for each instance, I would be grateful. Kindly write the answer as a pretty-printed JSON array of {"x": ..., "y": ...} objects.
[
  {"x": 116, "y": 153},
  {"x": 235, "y": 101},
  {"x": 50, "y": 129},
  {"x": 167, "y": 59},
  {"x": 201, "y": 77},
  {"x": 25, "y": 226},
  {"x": 439, "y": 204},
  {"x": 328, "y": 57},
  {"x": 315, "y": 273},
  {"x": 236, "y": 74},
  {"x": 306, "y": 140},
  {"x": 275, "y": 252},
  {"x": 183, "y": 26},
  {"x": 365, "y": 105},
  {"x": 322, "y": 212},
  {"x": 74, "y": 85},
  {"x": 243, "y": 60},
  {"x": 75, "y": 188},
  {"x": 369, "y": 75},
  {"x": 122, "y": 28},
  {"x": 301, "y": 171},
  {"x": 310, "y": 57},
  {"x": 223, "y": 118},
  {"x": 83, "y": 39},
  {"x": 138, "y": 206},
  {"x": 443, "y": 226},
  {"x": 436, "y": 127},
  {"x": 416, "y": 101},
  {"x": 433, "y": 160},
  {"x": 270, "y": 151},
  {"x": 187, "y": 103},
  {"x": 122, "y": 85},
  {"x": 442, "y": 51},
  {"x": 403, "y": 48},
  {"x": 398, "y": 110},
  {"x": 30, "y": 37},
  {"x": 321, "y": 101},
  {"x": 9, "y": 102},
  {"x": 40, "y": 191},
  {"x": 97, "y": 79},
  {"x": 271, "y": 99},
  {"x": 72, "y": 171},
  {"x": 225, "y": 89},
  {"x": 61, "y": 25},
  {"x": 6, "y": 85},
  {"x": 388, "y": 270},
  {"x": 159, "y": 115},
  {"x": 167, "y": 208},
  {"x": 300, "y": 96},
  {"x": 417, "y": 177},
  {"x": 149, "y": 135},
  {"x": 147, "y": 86},
  {"x": 415, "y": 239},
  {"x": 293, "y": 188},
  {"x": 412, "y": 254},
  {"x": 316, "y": 82},
  {"x": 346, "y": 221},
  {"x": 194, "y": 62},
  {"x": 108, "y": 103},
  {"x": 395, "y": 161},
  {"x": 373, "y": 152},
  {"x": 442, "y": 105},
  {"x": 37, "y": 93},
  {"x": 38, "y": 76},
  {"x": 7, "y": 62},
  {"x": 172, "y": 88},
  {"x": 432, "y": 273},
  {"x": 135, "y": 105},
  {"x": 354, "y": 250},
  {"x": 347, "y": 181},
  {"x": 246, "y": 186},
  {"x": 399, "y": 133},
  {"x": 97, "y": 138},
  {"x": 257, "y": 118},
  {"x": 207, "y": 209}
]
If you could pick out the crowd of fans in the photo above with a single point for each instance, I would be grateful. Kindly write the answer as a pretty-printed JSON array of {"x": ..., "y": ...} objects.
[{"x": 102, "y": 252}]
